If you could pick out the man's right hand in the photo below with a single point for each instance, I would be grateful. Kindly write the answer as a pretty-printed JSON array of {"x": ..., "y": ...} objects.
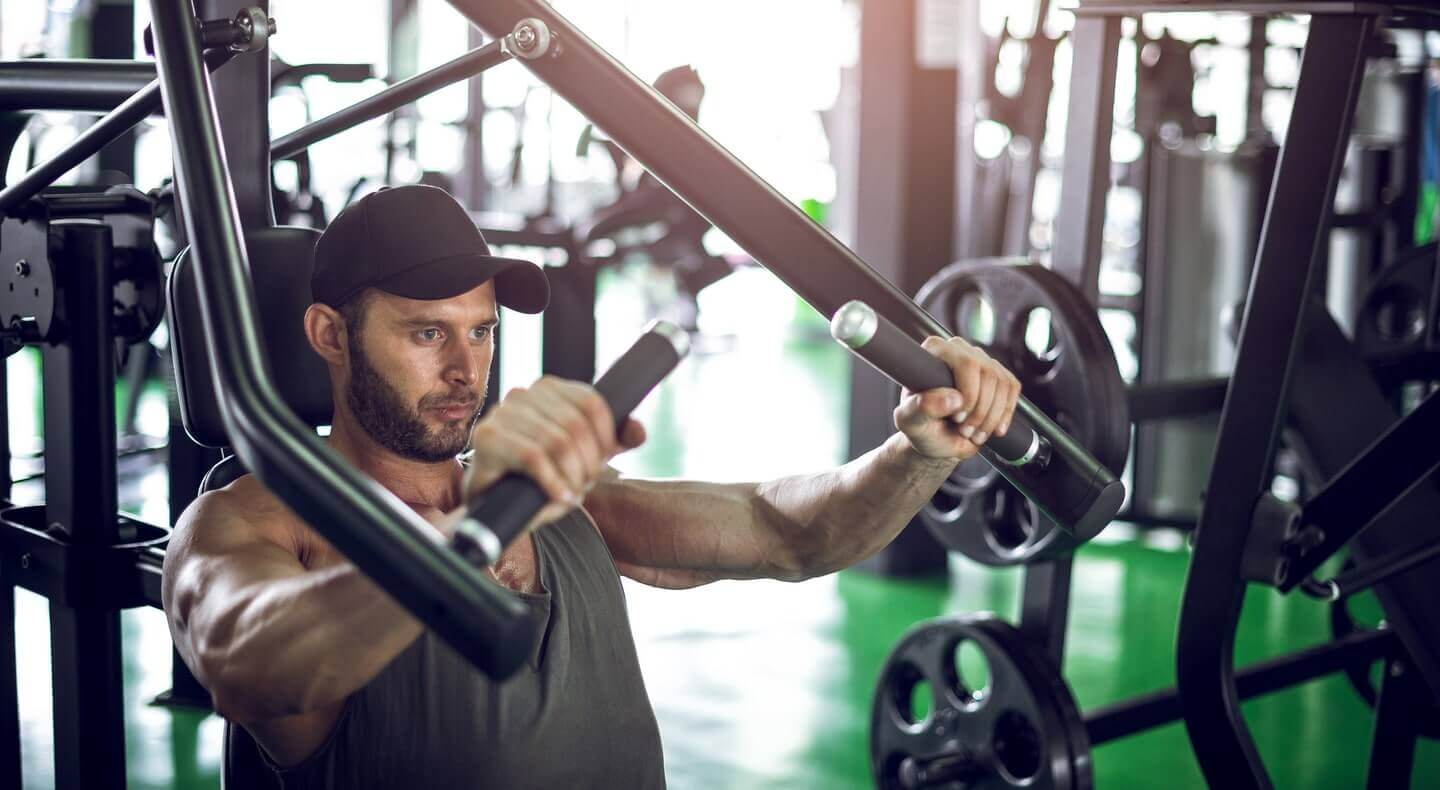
[{"x": 558, "y": 432}]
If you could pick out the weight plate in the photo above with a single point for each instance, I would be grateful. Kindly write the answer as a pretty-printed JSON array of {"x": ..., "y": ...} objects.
[
  {"x": 1040, "y": 327},
  {"x": 1396, "y": 314},
  {"x": 936, "y": 722}
]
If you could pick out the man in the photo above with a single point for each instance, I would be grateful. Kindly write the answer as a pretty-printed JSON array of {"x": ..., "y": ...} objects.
[{"x": 341, "y": 688}]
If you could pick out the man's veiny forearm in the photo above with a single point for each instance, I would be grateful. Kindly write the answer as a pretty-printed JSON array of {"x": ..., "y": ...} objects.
[
  {"x": 299, "y": 644},
  {"x": 835, "y": 519}
]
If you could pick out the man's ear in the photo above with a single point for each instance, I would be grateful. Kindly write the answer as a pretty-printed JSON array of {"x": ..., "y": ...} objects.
[{"x": 325, "y": 329}]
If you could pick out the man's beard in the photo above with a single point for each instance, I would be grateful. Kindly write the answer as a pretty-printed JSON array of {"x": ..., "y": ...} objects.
[{"x": 383, "y": 413}]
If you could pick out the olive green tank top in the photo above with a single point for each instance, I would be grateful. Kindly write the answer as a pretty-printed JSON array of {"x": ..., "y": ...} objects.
[{"x": 576, "y": 716}]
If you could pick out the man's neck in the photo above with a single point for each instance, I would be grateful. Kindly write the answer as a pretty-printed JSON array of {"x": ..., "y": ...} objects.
[{"x": 419, "y": 484}]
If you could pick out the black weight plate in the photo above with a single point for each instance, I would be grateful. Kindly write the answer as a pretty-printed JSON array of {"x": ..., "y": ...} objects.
[
  {"x": 1022, "y": 729},
  {"x": 1074, "y": 379},
  {"x": 1396, "y": 315}
]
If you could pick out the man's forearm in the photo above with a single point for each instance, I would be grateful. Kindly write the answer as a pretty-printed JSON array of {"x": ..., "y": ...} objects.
[{"x": 833, "y": 520}]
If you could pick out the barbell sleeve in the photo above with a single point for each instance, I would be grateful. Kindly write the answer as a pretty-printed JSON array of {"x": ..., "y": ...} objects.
[
  {"x": 905, "y": 362},
  {"x": 499, "y": 516},
  {"x": 1068, "y": 485}
]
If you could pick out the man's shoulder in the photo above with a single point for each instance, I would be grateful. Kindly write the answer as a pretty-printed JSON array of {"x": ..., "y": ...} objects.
[{"x": 244, "y": 508}]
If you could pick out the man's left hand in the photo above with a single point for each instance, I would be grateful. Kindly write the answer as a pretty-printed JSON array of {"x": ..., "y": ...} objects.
[{"x": 953, "y": 423}]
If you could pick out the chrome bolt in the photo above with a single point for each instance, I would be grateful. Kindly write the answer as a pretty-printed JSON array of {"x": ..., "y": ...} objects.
[
  {"x": 22, "y": 268},
  {"x": 525, "y": 38}
]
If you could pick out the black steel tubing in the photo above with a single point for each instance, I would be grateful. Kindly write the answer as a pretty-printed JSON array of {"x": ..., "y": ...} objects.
[
  {"x": 391, "y": 99},
  {"x": 1376, "y": 571},
  {"x": 118, "y": 121},
  {"x": 1402, "y": 458},
  {"x": 386, "y": 540},
  {"x": 773, "y": 230},
  {"x": 1148, "y": 711},
  {"x": 1291, "y": 240},
  {"x": 75, "y": 85}
]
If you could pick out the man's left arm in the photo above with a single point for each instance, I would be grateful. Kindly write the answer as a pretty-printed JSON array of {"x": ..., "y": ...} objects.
[{"x": 685, "y": 533}]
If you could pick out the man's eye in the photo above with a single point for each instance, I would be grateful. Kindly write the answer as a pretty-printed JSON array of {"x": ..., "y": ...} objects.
[
  {"x": 428, "y": 334},
  {"x": 481, "y": 332}
]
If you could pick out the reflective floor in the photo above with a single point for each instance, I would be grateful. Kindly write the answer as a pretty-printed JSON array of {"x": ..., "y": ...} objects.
[{"x": 767, "y": 684}]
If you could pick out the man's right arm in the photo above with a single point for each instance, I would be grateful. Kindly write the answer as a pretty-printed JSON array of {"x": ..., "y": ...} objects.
[{"x": 266, "y": 636}]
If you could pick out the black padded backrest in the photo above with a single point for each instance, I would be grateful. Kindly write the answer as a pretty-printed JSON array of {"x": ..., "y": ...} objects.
[
  {"x": 228, "y": 470},
  {"x": 281, "y": 259}
]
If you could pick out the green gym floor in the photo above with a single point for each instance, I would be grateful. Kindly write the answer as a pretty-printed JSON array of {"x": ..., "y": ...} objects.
[{"x": 768, "y": 684}]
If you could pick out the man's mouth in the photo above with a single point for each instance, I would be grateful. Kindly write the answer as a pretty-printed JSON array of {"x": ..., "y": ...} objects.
[{"x": 455, "y": 411}]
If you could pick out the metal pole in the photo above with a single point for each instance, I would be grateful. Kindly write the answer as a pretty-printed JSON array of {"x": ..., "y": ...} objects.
[
  {"x": 1292, "y": 239},
  {"x": 1149, "y": 711},
  {"x": 80, "y": 501},
  {"x": 390, "y": 99},
  {"x": 1085, "y": 179},
  {"x": 75, "y": 85}
]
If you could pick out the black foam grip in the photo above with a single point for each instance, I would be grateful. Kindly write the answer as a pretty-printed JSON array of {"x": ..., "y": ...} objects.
[
  {"x": 509, "y": 504},
  {"x": 905, "y": 362}
]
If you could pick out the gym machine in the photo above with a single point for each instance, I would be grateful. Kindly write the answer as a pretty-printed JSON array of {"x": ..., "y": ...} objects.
[
  {"x": 1373, "y": 471},
  {"x": 94, "y": 269}
]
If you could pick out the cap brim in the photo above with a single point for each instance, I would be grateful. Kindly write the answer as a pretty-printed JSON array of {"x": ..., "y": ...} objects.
[{"x": 519, "y": 284}]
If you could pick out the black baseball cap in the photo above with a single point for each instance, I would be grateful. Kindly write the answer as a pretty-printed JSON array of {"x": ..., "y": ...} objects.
[{"x": 418, "y": 242}]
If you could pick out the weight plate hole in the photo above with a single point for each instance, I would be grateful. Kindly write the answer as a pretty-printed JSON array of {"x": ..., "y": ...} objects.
[
  {"x": 1011, "y": 519},
  {"x": 912, "y": 695},
  {"x": 974, "y": 318},
  {"x": 970, "y": 673},
  {"x": 1040, "y": 339},
  {"x": 1016, "y": 744},
  {"x": 1400, "y": 316}
]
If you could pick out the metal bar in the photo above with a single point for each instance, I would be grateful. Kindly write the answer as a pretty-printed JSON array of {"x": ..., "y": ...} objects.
[
  {"x": 1300, "y": 202},
  {"x": 1402, "y": 458},
  {"x": 1148, "y": 711},
  {"x": 76, "y": 85},
  {"x": 1085, "y": 177},
  {"x": 80, "y": 501},
  {"x": 122, "y": 119},
  {"x": 391, "y": 99},
  {"x": 1266, "y": 7},
  {"x": 89, "y": 703},
  {"x": 1045, "y": 605},
  {"x": 10, "y": 774},
  {"x": 388, "y": 542},
  {"x": 79, "y": 380},
  {"x": 112, "y": 35},
  {"x": 773, "y": 230},
  {"x": 6, "y": 479},
  {"x": 567, "y": 345},
  {"x": 242, "y": 101},
  {"x": 1166, "y": 400},
  {"x": 1397, "y": 726},
  {"x": 1376, "y": 571}
]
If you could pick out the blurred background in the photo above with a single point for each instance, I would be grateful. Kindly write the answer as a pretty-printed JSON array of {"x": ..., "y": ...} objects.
[{"x": 767, "y": 684}]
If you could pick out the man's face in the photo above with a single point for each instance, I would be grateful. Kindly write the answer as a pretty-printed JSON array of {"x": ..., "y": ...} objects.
[{"x": 419, "y": 368}]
